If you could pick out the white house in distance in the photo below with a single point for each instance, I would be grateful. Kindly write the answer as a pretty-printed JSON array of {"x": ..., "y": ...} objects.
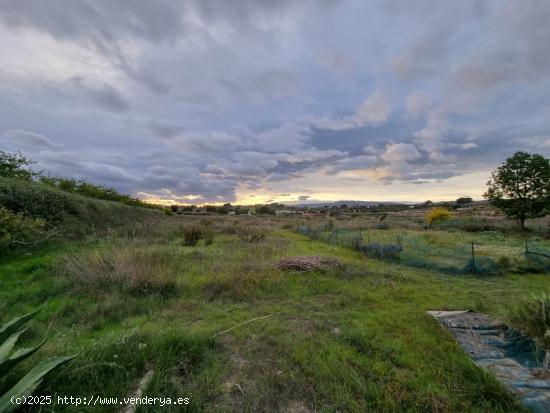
[{"x": 285, "y": 212}]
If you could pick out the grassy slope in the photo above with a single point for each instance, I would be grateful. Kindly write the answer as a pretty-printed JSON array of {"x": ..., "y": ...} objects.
[
  {"x": 357, "y": 339},
  {"x": 74, "y": 214}
]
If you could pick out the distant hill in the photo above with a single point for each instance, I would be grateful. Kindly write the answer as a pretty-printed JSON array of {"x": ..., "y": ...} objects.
[{"x": 319, "y": 204}]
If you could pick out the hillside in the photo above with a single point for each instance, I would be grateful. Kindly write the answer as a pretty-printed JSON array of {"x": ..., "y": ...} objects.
[{"x": 71, "y": 214}]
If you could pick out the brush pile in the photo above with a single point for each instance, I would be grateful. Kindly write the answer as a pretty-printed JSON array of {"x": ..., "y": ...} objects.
[{"x": 308, "y": 263}]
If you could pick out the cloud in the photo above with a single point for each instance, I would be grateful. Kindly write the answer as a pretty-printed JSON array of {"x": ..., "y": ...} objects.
[
  {"x": 418, "y": 103},
  {"x": 375, "y": 110},
  {"x": 400, "y": 152},
  {"x": 203, "y": 101},
  {"x": 20, "y": 137},
  {"x": 303, "y": 197}
]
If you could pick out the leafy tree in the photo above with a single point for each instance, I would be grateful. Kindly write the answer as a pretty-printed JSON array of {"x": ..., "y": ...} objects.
[
  {"x": 15, "y": 166},
  {"x": 464, "y": 200},
  {"x": 521, "y": 187}
]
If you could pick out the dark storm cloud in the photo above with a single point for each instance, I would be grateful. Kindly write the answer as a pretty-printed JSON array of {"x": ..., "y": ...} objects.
[{"x": 194, "y": 101}]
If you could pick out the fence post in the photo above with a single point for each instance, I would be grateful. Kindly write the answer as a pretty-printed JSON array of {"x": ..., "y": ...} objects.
[{"x": 473, "y": 257}]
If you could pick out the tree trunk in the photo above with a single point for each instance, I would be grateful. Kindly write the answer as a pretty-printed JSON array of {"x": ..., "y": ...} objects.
[{"x": 522, "y": 222}]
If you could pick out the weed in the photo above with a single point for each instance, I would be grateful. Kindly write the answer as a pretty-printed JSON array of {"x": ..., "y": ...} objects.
[
  {"x": 381, "y": 251},
  {"x": 251, "y": 234},
  {"x": 531, "y": 316},
  {"x": 208, "y": 236},
  {"x": 192, "y": 234},
  {"x": 140, "y": 271}
]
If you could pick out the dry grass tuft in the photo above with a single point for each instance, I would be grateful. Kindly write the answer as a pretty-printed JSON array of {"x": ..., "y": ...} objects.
[
  {"x": 141, "y": 271},
  {"x": 308, "y": 263}
]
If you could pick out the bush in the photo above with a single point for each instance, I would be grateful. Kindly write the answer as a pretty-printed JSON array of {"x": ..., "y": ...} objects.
[
  {"x": 37, "y": 201},
  {"x": 208, "y": 236},
  {"x": 381, "y": 251},
  {"x": 192, "y": 234},
  {"x": 471, "y": 224},
  {"x": 137, "y": 270},
  {"x": 17, "y": 229},
  {"x": 483, "y": 265},
  {"x": 438, "y": 215},
  {"x": 533, "y": 263},
  {"x": 251, "y": 234}
]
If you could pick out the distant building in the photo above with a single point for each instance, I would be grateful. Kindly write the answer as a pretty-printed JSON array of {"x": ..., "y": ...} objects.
[{"x": 284, "y": 212}]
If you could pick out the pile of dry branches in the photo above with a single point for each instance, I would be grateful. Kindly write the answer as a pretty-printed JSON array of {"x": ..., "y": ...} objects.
[{"x": 308, "y": 263}]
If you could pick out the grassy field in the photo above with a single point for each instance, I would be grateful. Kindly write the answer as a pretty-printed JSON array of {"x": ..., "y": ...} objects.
[{"x": 352, "y": 339}]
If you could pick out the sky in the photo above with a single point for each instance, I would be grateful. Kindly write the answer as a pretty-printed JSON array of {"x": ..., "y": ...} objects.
[{"x": 252, "y": 101}]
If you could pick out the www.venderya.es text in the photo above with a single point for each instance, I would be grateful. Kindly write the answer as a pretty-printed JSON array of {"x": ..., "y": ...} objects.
[{"x": 95, "y": 400}]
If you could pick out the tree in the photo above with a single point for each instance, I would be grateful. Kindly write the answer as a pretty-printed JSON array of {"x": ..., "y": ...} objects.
[
  {"x": 521, "y": 187},
  {"x": 15, "y": 166},
  {"x": 464, "y": 200}
]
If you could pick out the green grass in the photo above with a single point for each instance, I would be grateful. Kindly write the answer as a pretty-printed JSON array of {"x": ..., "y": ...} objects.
[
  {"x": 448, "y": 250},
  {"x": 354, "y": 339}
]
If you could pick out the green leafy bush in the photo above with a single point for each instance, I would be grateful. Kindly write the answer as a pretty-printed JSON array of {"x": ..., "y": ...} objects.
[
  {"x": 18, "y": 229},
  {"x": 9, "y": 335},
  {"x": 37, "y": 201}
]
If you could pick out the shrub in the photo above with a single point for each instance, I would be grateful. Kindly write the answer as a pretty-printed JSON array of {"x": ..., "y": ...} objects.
[
  {"x": 37, "y": 201},
  {"x": 251, "y": 234},
  {"x": 381, "y": 251},
  {"x": 208, "y": 236},
  {"x": 206, "y": 222},
  {"x": 18, "y": 229},
  {"x": 532, "y": 317},
  {"x": 192, "y": 234},
  {"x": 9, "y": 335},
  {"x": 483, "y": 265},
  {"x": 533, "y": 263},
  {"x": 137, "y": 270},
  {"x": 438, "y": 215},
  {"x": 471, "y": 224}
]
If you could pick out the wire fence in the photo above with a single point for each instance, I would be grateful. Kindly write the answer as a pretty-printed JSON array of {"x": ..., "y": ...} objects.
[{"x": 416, "y": 249}]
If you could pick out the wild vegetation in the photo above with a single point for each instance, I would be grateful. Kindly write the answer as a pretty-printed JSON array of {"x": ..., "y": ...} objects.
[{"x": 305, "y": 311}]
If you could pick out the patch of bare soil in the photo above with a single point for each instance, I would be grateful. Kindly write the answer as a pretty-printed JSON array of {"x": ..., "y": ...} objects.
[{"x": 297, "y": 407}]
